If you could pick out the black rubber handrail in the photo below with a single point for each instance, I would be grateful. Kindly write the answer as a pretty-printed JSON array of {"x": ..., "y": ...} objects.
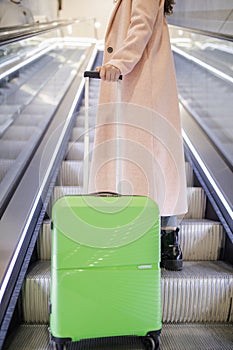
[{"x": 215, "y": 35}]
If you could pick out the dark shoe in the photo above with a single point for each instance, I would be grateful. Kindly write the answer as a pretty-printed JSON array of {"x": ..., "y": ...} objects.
[{"x": 171, "y": 254}]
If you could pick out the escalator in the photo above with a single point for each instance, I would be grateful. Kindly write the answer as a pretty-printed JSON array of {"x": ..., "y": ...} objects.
[
  {"x": 196, "y": 302},
  {"x": 28, "y": 103}
]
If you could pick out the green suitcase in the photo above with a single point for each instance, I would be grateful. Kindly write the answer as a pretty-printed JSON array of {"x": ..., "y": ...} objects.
[{"x": 105, "y": 274}]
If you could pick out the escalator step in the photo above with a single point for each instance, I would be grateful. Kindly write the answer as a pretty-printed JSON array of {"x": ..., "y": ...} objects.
[
  {"x": 11, "y": 149},
  {"x": 196, "y": 203},
  {"x": 201, "y": 292},
  {"x": 60, "y": 191},
  {"x": 75, "y": 151},
  {"x": 197, "y": 336},
  {"x": 71, "y": 173},
  {"x": 174, "y": 336},
  {"x": 199, "y": 239},
  {"x": 78, "y": 134},
  {"x": 189, "y": 175},
  {"x": 5, "y": 165},
  {"x": 196, "y": 200},
  {"x": 20, "y": 133},
  {"x": 31, "y": 120}
]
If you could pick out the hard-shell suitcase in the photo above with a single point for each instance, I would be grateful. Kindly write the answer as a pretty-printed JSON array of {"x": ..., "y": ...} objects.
[{"x": 105, "y": 274}]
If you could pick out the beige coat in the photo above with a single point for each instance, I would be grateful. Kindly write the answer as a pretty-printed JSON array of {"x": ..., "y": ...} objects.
[{"x": 149, "y": 159}]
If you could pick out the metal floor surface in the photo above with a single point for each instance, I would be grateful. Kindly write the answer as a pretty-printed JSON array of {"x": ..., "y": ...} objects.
[{"x": 173, "y": 336}]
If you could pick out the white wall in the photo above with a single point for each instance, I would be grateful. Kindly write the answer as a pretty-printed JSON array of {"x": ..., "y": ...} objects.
[
  {"x": 100, "y": 9},
  {"x": 46, "y": 10},
  {"x": 212, "y": 15}
]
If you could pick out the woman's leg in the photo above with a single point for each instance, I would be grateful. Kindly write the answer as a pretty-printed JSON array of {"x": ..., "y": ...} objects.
[
  {"x": 171, "y": 254},
  {"x": 168, "y": 222}
]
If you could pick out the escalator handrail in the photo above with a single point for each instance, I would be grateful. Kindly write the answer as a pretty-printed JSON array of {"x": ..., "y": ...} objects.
[
  {"x": 13, "y": 34},
  {"x": 227, "y": 37},
  {"x": 16, "y": 33}
]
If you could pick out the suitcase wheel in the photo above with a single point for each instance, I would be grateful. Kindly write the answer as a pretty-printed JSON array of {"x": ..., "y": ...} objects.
[
  {"x": 151, "y": 342},
  {"x": 59, "y": 346}
]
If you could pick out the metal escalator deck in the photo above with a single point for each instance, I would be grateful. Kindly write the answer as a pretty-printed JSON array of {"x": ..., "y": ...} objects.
[{"x": 197, "y": 302}]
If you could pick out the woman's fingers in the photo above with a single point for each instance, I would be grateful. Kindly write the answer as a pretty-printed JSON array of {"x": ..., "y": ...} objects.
[{"x": 109, "y": 72}]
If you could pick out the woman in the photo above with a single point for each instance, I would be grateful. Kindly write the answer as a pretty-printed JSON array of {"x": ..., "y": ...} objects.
[{"x": 137, "y": 45}]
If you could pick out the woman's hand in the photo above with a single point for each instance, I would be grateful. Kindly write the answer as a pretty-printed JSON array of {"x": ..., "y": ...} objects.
[{"x": 109, "y": 72}]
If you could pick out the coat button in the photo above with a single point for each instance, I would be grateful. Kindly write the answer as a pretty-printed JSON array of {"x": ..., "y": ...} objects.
[{"x": 110, "y": 49}]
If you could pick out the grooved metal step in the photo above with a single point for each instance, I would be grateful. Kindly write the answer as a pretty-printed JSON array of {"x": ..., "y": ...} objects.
[
  {"x": 10, "y": 149},
  {"x": 60, "y": 191},
  {"x": 10, "y": 109},
  {"x": 195, "y": 196},
  {"x": 201, "y": 292},
  {"x": 71, "y": 173},
  {"x": 199, "y": 240},
  {"x": 5, "y": 165},
  {"x": 196, "y": 203},
  {"x": 20, "y": 133},
  {"x": 80, "y": 122},
  {"x": 38, "y": 120},
  {"x": 78, "y": 133},
  {"x": 75, "y": 151},
  {"x": 173, "y": 337},
  {"x": 189, "y": 175}
]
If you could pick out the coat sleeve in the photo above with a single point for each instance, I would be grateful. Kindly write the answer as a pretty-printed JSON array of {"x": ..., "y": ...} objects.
[{"x": 143, "y": 17}]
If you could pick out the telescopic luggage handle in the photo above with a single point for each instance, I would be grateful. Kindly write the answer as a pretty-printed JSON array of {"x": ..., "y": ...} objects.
[{"x": 95, "y": 75}]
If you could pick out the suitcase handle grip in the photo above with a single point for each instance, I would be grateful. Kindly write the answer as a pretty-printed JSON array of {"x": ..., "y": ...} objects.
[
  {"x": 106, "y": 194},
  {"x": 94, "y": 75}
]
